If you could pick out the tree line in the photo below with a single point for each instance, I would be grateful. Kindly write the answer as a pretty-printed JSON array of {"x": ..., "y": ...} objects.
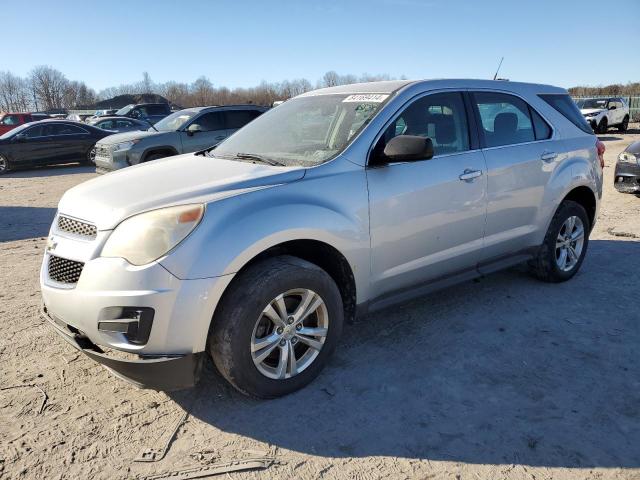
[{"x": 46, "y": 88}]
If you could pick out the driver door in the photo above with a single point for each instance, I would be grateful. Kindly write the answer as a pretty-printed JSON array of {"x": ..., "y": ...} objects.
[
  {"x": 205, "y": 131},
  {"x": 427, "y": 217}
]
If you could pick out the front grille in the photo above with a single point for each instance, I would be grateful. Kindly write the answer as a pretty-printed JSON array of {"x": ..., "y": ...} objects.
[
  {"x": 76, "y": 227},
  {"x": 64, "y": 271},
  {"x": 103, "y": 151}
]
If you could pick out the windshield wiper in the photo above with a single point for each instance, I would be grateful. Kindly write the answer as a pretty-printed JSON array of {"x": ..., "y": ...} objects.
[{"x": 259, "y": 158}]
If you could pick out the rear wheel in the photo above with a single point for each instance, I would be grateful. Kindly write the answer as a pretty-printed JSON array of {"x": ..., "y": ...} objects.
[
  {"x": 604, "y": 125},
  {"x": 624, "y": 125},
  {"x": 276, "y": 327},
  {"x": 5, "y": 166},
  {"x": 565, "y": 244}
]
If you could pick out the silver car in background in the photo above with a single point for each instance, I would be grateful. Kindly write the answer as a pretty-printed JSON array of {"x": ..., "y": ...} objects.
[{"x": 336, "y": 203}]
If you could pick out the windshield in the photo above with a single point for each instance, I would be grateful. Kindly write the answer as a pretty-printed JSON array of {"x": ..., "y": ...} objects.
[
  {"x": 304, "y": 131},
  {"x": 594, "y": 103},
  {"x": 175, "y": 121},
  {"x": 125, "y": 110}
]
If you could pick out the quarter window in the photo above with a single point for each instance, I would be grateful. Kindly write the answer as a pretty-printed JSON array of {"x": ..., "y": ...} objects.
[
  {"x": 441, "y": 117},
  {"x": 542, "y": 128},
  {"x": 505, "y": 119}
]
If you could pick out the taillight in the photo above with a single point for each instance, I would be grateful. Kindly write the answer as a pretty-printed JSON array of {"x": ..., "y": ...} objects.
[{"x": 600, "y": 148}]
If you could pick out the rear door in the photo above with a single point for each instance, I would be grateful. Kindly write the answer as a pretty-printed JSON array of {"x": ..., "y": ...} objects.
[
  {"x": 74, "y": 141},
  {"x": 212, "y": 131},
  {"x": 521, "y": 155},
  {"x": 427, "y": 217}
]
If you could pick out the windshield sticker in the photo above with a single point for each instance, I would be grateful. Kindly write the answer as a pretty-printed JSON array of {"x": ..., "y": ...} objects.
[{"x": 366, "y": 97}]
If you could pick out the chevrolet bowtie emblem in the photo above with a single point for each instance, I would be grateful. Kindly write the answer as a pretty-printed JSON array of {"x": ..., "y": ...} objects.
[{"x": 51, "y": 245}]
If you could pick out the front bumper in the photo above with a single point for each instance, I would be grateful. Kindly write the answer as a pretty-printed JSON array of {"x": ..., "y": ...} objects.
[
  {"x": 158, "y": 372},
  {"x": 627, "y": 177},
  {"x": 108, "y": 161}
]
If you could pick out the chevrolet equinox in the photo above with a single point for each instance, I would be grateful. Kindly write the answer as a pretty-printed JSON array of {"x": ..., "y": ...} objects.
[{"x": 336, "y": 203}]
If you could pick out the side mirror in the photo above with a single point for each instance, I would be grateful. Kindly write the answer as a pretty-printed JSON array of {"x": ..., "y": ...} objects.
[
  {"x": 408, "y": 148},
  {"x": 612, "y": 107},
  {"x": 194, "y": 128}
]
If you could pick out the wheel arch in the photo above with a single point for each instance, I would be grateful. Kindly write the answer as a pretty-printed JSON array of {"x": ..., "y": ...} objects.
[
  {"x": 320, "y": 253},
  {"x": 158, "y": 149},
  {"x": 584, "y": 196}
]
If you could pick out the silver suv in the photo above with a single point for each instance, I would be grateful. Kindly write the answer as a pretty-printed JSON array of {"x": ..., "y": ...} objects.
[
  {"x": 336, "y": 203},
  {"x": 185, "y": 131}
]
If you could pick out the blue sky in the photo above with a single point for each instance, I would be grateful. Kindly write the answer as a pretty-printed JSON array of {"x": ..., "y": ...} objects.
[{"x": 240, "y": 43}]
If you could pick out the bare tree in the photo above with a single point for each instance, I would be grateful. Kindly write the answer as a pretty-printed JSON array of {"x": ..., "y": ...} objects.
[
  {"x": 14, "y": 93},
  {"x": 147, "y": 83},
  {"x": 202, "y": 92},
  {"x": 49, "y": 86}
]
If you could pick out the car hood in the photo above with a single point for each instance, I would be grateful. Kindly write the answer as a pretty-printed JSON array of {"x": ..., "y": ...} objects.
[
  {"x": 126, "y": 136},
  {"x": 587, "y": 111},
  {"x": 109, "y": 199}
]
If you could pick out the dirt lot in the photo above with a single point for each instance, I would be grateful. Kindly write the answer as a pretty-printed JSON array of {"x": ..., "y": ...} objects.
[{"x": 505, "y": 377}]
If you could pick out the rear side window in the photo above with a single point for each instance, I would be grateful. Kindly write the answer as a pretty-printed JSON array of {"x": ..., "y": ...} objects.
[
  {"x": 239, "y": 118},
  {"x": 505, "y": 119},
  {"x": 156, "y": 109},
  {"x": 564, "y": 105}
]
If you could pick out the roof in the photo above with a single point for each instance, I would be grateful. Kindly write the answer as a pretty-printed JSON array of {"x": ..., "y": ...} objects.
[
  {"x": 212, "y": 107},
  {"x": 391, "y": 86}
]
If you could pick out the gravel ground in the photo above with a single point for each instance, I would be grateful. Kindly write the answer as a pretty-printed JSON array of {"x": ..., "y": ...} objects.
[{"x": 504, "y": 377}]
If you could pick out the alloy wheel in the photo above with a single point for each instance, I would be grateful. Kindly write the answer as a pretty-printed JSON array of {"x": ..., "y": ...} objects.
[
  {"x": 289, "y": 334},
  {"x": 569, "y": 243},
  {"x": 4, "y": 165}
]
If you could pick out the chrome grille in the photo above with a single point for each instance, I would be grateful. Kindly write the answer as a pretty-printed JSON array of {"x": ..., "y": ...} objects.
[
  {"x": 64, "y": 271},
  {"x": 76, "y": 227},
  {"x": 103, "y": 151}
]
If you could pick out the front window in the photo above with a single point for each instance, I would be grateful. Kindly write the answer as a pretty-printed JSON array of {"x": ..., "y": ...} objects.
[
  {"x": 175, "y": 121},
  {"x": 304, "y": 131}
]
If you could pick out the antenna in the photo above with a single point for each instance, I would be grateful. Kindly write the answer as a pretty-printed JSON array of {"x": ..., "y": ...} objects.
[{"x": 499, "y": 65}]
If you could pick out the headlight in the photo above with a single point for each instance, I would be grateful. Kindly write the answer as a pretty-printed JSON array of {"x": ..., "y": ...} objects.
[
  {"x": 627, "y": 157},
  {"x": 593, "y": 114},
  {"x": 124, "y": 145},
  {"x": 143, "y": 238}
]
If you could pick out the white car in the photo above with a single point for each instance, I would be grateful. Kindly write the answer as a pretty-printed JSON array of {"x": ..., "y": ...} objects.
[{"x": 602, "y": 113}]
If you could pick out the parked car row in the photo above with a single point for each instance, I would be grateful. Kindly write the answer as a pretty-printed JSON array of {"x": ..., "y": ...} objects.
[{"x": 113, "y": 142}]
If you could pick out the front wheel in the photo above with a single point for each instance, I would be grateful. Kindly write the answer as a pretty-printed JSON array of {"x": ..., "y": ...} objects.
[
  {"x": 276, "y": 327},
  {"x": 90, "y": 158},
  {"x": 565, "y": 244},
  {"x": 5, "y": 166}
]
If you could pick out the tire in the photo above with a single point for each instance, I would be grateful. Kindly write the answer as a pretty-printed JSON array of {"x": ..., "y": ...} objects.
[
  {"x": 240, "y": 325},
  {"x": 153, "y": 156},
  {"x": 5, "y": 165},
  {"x": 624, "y": 125},
  {"x": 90, "y": 158},
  {"x": 604, "y": 125},
  {"x": 546, "y": 266}
]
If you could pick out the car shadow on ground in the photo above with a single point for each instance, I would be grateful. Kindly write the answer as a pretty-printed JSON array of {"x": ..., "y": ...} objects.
[
  {"x": 20, "y": 223},
  {"x": 505, "y": 369},
  {"x": 606, "y": 138},
  {"x": 51, "y": 171}
]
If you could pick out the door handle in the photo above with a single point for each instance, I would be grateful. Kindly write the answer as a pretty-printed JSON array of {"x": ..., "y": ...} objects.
[
  {"x": 220, "y": 137},
  {"x": 469, "y": 175},
  {"x": 548, "y": 156}
]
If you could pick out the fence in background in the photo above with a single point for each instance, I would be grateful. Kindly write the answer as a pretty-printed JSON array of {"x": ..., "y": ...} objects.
[{"x": 633, "y": 101}]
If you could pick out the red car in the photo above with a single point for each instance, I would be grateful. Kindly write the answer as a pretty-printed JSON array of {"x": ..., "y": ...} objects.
[{"x": 9, "y": 121}]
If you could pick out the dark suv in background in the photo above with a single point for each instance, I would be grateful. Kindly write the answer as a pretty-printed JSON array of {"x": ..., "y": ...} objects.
[
  {"x": 185, "y": 131},
  {"x": 151, "y": 112}
]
